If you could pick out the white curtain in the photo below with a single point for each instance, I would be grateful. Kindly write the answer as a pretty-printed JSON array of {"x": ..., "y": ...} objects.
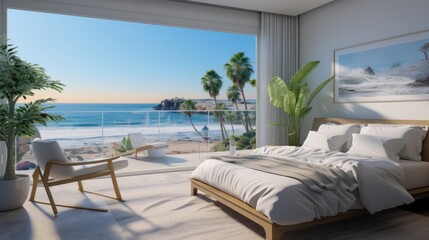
[{"x": 277, "y": 56}]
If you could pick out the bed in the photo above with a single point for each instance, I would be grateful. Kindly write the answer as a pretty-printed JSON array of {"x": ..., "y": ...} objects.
[{"x": 416, "y": 182}]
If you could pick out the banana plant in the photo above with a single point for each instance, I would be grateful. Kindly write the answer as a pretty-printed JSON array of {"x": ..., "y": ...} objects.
[{"x": 294, "y": 99}]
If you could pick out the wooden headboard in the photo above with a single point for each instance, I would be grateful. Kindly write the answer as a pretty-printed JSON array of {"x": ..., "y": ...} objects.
[{"x": 425, "y": 148}]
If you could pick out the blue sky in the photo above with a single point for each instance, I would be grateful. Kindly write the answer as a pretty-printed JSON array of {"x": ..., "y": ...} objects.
[
  {"x": 107, "y": 61},
  {"x": 384, "y": 57}
]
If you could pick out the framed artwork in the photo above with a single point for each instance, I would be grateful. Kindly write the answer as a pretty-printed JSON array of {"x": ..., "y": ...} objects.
[{"x": 395, "y": 69}]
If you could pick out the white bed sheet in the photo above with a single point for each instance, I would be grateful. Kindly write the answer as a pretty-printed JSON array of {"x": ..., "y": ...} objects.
[
  {"x": 287, "y": 201},
  {"x": 416, "y": 174}
]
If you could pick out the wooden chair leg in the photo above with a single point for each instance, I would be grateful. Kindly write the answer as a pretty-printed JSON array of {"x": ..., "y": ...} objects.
[
  {"x": 114, "y": 181},
  {"x": 48, "y": 192},
  {"x": 36, "y": 176},
  {"x": 79, "y": 183}
]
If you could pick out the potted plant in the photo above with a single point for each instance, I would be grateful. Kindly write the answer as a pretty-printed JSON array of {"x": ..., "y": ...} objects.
[
  {"x": 293, "y": 99},
  {"x": 19, "y": 79}
]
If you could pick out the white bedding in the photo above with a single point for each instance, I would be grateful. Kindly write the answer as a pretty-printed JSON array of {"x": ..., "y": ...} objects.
[
  {"x": 287, "y": 201},
  {"x": 416, "y": 174}
]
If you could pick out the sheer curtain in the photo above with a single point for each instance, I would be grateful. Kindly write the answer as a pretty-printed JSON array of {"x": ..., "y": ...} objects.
[{"x": 277, "y": 56}]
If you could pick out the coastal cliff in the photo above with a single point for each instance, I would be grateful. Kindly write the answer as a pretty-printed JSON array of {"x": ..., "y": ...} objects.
[
  {"x": 169, "y": 104},
  {"x": 201, "y": 104}
]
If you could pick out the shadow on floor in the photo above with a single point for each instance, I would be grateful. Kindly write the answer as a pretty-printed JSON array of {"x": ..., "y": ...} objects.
[{"x": 167, "y": 160}]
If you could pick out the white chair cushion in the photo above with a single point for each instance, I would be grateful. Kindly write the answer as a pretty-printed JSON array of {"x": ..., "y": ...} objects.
[
  {"x": 136, "y": 139},
  {"x": 93, "y": 168},
  {"x": 49, "y": 150}
]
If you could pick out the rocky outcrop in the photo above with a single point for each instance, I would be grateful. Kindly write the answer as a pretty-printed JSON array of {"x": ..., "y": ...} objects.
[
  {"x": 200, "y": 104},
  {"x": 169, "y": 104},
  {"x": 420, "y": 83},
  {"x": 369, "y": 71}
]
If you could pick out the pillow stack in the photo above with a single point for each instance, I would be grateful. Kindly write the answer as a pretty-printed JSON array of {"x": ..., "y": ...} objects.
[
  {"x": 412, "y": 136},
  {"x": 378, "y": 141},
  {"x": 332, "y": 137}
]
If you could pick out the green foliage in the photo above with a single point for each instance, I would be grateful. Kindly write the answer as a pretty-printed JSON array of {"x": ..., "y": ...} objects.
[
  {"x": 124, "y": 146},
  {"x": 20, "y": 79},
  {"x": 188, "y": 106},
  {"x": 212, "y": 83},
  {"x": 231, "y": 116},
  {"x": 293, "y": 99},
  {"x": 233, "y": 94},
  {"x": 252, "y": 82},
  {"x": 246, "y": 141},
  {"x": 239, "y": 69}
]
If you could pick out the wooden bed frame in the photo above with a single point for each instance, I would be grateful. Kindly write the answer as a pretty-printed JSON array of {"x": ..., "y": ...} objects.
[{"x": 274, "y": 231}]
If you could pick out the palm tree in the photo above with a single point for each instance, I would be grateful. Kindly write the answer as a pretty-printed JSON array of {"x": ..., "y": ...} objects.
[
  {"x": 239, "y": 70},
  {"x": 231, "y": 116},
  {"x": 188, "y": 106},
  {"x": 219, "y": 114},
  {"x": 20, "y": 79},
  {"x": 233, "y": 95},
  {"x": 212, "y": 83}
]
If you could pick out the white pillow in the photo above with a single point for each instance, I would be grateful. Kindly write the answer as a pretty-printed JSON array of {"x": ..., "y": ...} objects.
[
  {"x": 413, "y": 135},
  {"x": 340, "y": 129},
  {"x": 325, "y": 142},
  {"x": 376, "y": 147}
]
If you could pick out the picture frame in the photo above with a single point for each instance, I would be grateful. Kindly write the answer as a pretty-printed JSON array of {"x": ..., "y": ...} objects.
[{"x": 394, "y": 69}]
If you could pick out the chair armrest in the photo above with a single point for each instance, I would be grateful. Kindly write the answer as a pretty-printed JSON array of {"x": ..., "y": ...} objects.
[
  {"x": 145, "y": 147},
  {"x": 74, "y": 163}
]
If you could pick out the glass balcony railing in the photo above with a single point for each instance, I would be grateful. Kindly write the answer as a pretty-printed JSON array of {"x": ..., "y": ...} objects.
[{"x": 94, "y": 134}]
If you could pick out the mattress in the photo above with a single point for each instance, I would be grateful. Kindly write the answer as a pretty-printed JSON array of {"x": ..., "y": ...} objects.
[
  {"x": 287, "y": 201},
  {"x": 416, "y": 174}
]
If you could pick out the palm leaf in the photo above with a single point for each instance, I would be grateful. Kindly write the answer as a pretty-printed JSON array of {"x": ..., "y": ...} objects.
[
  {"x": 306, "y": 110},
  {"x": 289, "y": 103},
  {"x": 277, "y": 90},
  {"x": 300, "y": 104},
  {"x": 302, "y": 74},
  {"x": 318, "y": 89}
]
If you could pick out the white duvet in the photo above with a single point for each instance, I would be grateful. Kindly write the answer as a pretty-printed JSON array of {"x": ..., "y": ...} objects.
[{"x": 287, "y": 201}]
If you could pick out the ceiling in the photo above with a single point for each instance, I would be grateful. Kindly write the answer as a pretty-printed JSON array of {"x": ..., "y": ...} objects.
[{"x": 286, "y": 7}]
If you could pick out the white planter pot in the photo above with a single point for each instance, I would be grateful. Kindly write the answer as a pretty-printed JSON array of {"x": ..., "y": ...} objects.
[{"x": 14, "y": 193}]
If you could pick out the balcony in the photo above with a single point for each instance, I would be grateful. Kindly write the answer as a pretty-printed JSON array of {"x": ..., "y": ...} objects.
[{"x": 96, "y": 134}]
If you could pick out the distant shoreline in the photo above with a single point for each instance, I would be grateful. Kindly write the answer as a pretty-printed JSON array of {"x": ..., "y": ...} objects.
[
  {"x": 203, "y": 104},
  {"x": 249, "y": 101}
]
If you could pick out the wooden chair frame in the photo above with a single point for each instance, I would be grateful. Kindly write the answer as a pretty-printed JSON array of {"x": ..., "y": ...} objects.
[
  {"x": 38, "y": 176},
  {"x": 143, "y": 148},
  {"x": 275, "y": 231}
]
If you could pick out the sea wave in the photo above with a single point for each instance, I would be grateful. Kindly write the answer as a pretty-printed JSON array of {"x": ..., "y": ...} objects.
[
  {"x": 396, "y": 81},
  {"x": 70, "y": 137}
]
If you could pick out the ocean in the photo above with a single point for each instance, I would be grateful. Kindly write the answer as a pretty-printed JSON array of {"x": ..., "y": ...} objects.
[{"x": 95, "y": 124}]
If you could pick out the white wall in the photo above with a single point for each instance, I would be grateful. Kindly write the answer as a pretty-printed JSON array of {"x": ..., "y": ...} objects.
[{"x": 345, "y": 23}]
